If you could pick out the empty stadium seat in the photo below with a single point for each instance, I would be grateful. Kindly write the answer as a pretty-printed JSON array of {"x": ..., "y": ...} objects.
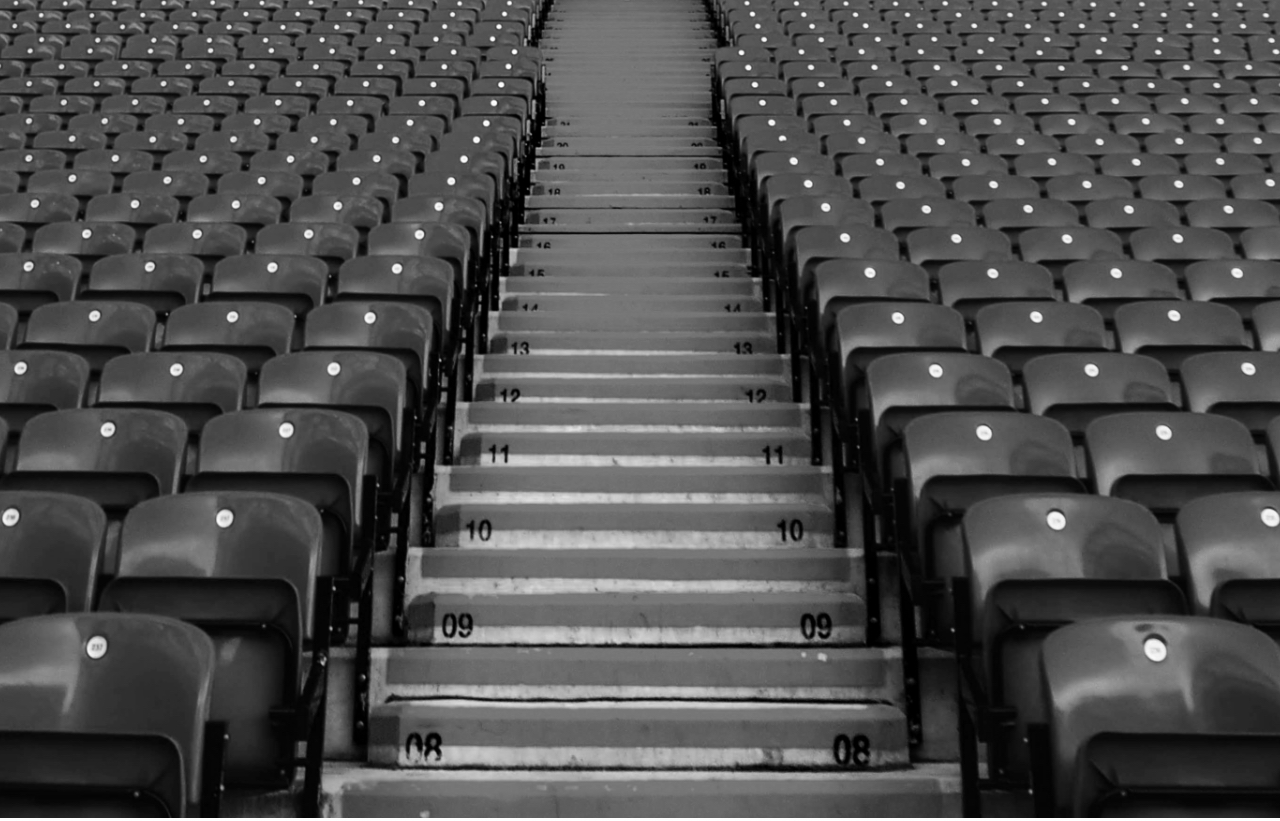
[
  {"x": 1034, "y": 563},
  {"x": 1187, "y": 717},
  {"x": 104, "y": 713},
  {"x": 243, "y": 568}
]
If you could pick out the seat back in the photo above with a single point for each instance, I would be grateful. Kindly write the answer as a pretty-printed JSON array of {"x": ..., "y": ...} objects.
[
  {"x": 102, "y": 714},
  {"x": 1162, "y": 716},
  {"x": 369, "y": 385},
  {"x": 34, "y": 382},
  {"x": 1037, "y": 562},
  {"x": 192, "y": 385},
  {"x": 955, "y": 459},
  {"x": 1163, "y": 460},
  {"x": 117, "y": 457},
  {"x": 316, "y": 455},
  {"x": 1227, "y": 550},
  {"x": 232, "y": 563},
  {"x": 50, "y": 549}
]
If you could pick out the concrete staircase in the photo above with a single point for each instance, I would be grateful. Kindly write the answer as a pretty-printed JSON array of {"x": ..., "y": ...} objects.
[{"x": 634, "y": 603}]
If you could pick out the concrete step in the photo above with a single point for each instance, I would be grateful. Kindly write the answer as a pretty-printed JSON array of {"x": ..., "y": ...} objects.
[
  {"x": 657, "y": 735},
  {"x": 533, "y": 263},
  {"x": 595, "y": 187},
  {"x": 752, "y": 523},
  {"x": 610, "y": 484},
  {"x": 928, "y": 791},
  {"x": 681, "y": 220},
  {"x": 674, "y": 417},
  {"x": 549, "y": 252},
  {"x": 551, "y": 173},
  {"x": 631, "y": 449},
  {"x": 599, "y": 387},
  {"x": 628, "y": 165},
  {"x": 632, "y": 201},
  {"x": 571, "y": 612},
  {"x": 696, "y": 128},
  {"x": 613, "y": 286},
  {"x": 863, "y": 674},
  {"x": 527, "y": 342},
  {"x": 633, "y": 147},
  {"x": 664, "y": 304},
  {"x": 635, "y": 365},
  {"x": 653, "y": 324}
]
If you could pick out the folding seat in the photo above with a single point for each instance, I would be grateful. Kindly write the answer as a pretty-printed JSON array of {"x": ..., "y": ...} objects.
[
  {"x": 904, "y": 215},
  {"x": 1164, "y": 460},
  {"x": 1181, "y": 144},
  {"x": 1239, "y": 283},
  {"x": 983, "y": 188},
  {"x": 902, "y": 387},
  {"x": 96, "y": 330},
  {"x": 1147, "y": 123},
  {"x": 116, "y": 457},
  {"x": 963, "y": 164},
  {"x": 207, "y": 240},
  {"x": 136, "y": 210},
  {"x": 313, "y": 454},
  {"x": 161, "y": 282},
  {"x": 1257, "y": 187},
  {"x": 194, "y": 386},
  {"x": 969, "y": 285},
  {"x": 926, "y": 246},
  {"x": 52, "y": 546},
  {"x": 1158, "y": 715},
  {"x": 850, "y": 241},
  {"x": 1014, "y": 214},
  {"x": 183, "y": 185},
  {"x": 1074, "y": 388},
  {"x": 1128, "y": 215},
  {"x": 404, "y": 331},
  {"x": 1180, "y": 246},
  {"x": 245, "y": 210},
  {"x": 1224, "y": 165},
  {"x": 242, "y": 567},
  {"x": 1180, "y": 188},
  {"x": 251, "y": 331},
  {"x": 1034, "y": 563},
  {"x": 28, "y": 281},
  {"x": 1261, "y": 243},
  {"x": 840, "y": 282},
  {"x": 83, "y": 240},
  {"x": 1172, "y": 330},
  {"x": 1233, "y": 215},
  {"x": 1015, "y": 332},
  {"x": 296, "y": 282},
  {"x": 955, "y": 459},
  {"x": 1226, "y": 547},
  {"x": 369, "y": 385},
  {"x": 104, "y": 713},
  {"x": 37, "y": 381}
]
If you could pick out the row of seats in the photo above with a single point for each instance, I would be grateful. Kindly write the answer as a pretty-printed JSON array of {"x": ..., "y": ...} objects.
[
  {"x": 1030, "y": 251},
  {"x": 244, "y": 245},
  {"x": 243, "y": 566}
]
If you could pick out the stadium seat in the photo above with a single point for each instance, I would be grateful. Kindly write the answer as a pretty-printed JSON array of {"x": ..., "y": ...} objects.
[
  {"x": 955, "y": 459},
  {"x": 1159, "y": 716},
  {"x": 243, "y": 568},
  {"x": 52, "y": 548},
  {"x": 1034, "y": 563},
  {"x": 317, "y": 455},
  {"x": 105, "y": 714}
]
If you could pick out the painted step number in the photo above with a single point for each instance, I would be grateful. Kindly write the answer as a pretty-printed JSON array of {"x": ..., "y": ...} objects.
[
  {"x": 852, "y": 751},
  {"x": 419, "y": 750}
]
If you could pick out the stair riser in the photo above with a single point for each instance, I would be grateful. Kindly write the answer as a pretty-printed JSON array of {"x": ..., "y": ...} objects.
[{"x": 638, "y": 735}]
